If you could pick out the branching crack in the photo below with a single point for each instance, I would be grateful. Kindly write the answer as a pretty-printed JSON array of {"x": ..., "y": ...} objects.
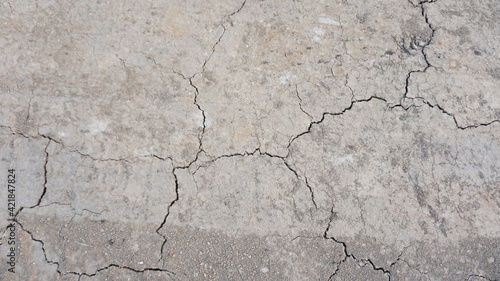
[
  {"x": 453, "y": 116},
  {"x": 325, "y": 235},
  {"x": 196, "y": 90},
  {"x": 422, "y": 49},
  {"x": 197, "y": 93},
  {"x": 44, "y": 175},
  {"x": 311, "y": 191},
  {"x": 44, "y": 184},
  {"x": 348, "y": 255},
  {"x": 331, "y": 114},
  {"x": 86, "y": 274},
  {"x": 258, "y": 151},
  {"x": 429, "y": 65},
  {"x": 421, "y": 2},
  {"x": 203, "y": 114}
]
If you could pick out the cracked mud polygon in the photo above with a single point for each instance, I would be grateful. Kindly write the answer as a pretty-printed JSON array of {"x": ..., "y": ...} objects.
[{"x": 250, "y": 140}]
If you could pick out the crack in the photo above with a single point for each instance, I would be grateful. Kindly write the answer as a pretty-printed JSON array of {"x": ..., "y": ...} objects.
[
  {"x": 422, "y": 48},
  {"x": 165, "y": 239},
  {"x": 399, "y": 256},
  {"x": 387, "y": 272},
  {"x": 433, "y": 31},
  {"x": 348, "y": 86},
  {"x": 51, "y": 139},
  {"x": 191, "y": 83},
  {"x": 258, "y": 152},
  {"x": 42, "y": 246},
  {"x": 44, "y": 184},
  {"x": 203, "y": 114},
  {"x": 44, "y": 176},
  {"x": 325, "y": 236},
  {"x": 86, "y": 274},
  {"x": 196, "y": 94},
  {"x": 104, "y": 159},
  {"x": 14, "y": 132},
  {"x": 331, "y": 114},
  {"x": 300, "y": 103},
  {"x": 119, "y": 267},
  {"x": 440, "y": 108},
  {"x": 176, "y": 180},
  {"x": 311, "y": 191},
  {"x": 429, "y": 65},
  {"x": 29, "y": 107},
  {"x": 421, "y": 2},
  {"x": 416, "y": 268},
  {"x": 347, "y": 254},
  {"x": 224, "y": 29}
]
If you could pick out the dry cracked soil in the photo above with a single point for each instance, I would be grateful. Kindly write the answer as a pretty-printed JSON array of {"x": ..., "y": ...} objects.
[{"x": 250, "y": 140}]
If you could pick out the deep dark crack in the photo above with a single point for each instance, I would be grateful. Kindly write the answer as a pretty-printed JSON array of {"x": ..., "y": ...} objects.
[
  {"x": 348, "y": 255},
  {"x": 331, "y": 114},
  {"x": 224, "y": 29},
  {"x": 119, "y": 267},
  {"x": 42, "y": 246},
  {"x": 45, "y": 178},
  {"x": 165, "y": 239},
  {"x": 422, "y": 49}
]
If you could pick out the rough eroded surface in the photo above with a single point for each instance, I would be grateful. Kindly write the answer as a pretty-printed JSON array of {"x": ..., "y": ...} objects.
[{"x": 250, "y": 140}]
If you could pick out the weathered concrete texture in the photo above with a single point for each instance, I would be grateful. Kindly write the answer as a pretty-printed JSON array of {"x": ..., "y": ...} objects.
[
  {"x": 465, "y": 59},
  {"x": 322, "y": 50},
  {"x": 459, "y": 261},
  {"x": 358, "y": 270},
  {"x": 27, "y": 157},
  {"x": 251, "y": 140},
  {"x": 394, "y": 183},
  {"x": 196, "y": 254},
  {"x": 253, "y": 194},
  {"x": 108, "y": 71},
  {"x": 96, "y": 213},
  {"x": 32, "y": 265}
]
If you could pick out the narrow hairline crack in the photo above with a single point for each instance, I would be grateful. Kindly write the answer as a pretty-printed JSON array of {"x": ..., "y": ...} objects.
[
  {"x": 59, "y": 142},
  {"x": 261, "y": 153},
  {"x": 191, "y": 83},
  {"x": 440, "y": 108},
  {"x": 200, "y": 137}
]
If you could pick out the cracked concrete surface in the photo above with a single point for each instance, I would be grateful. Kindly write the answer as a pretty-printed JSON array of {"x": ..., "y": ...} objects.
[{"x": 251, "y": 140}]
